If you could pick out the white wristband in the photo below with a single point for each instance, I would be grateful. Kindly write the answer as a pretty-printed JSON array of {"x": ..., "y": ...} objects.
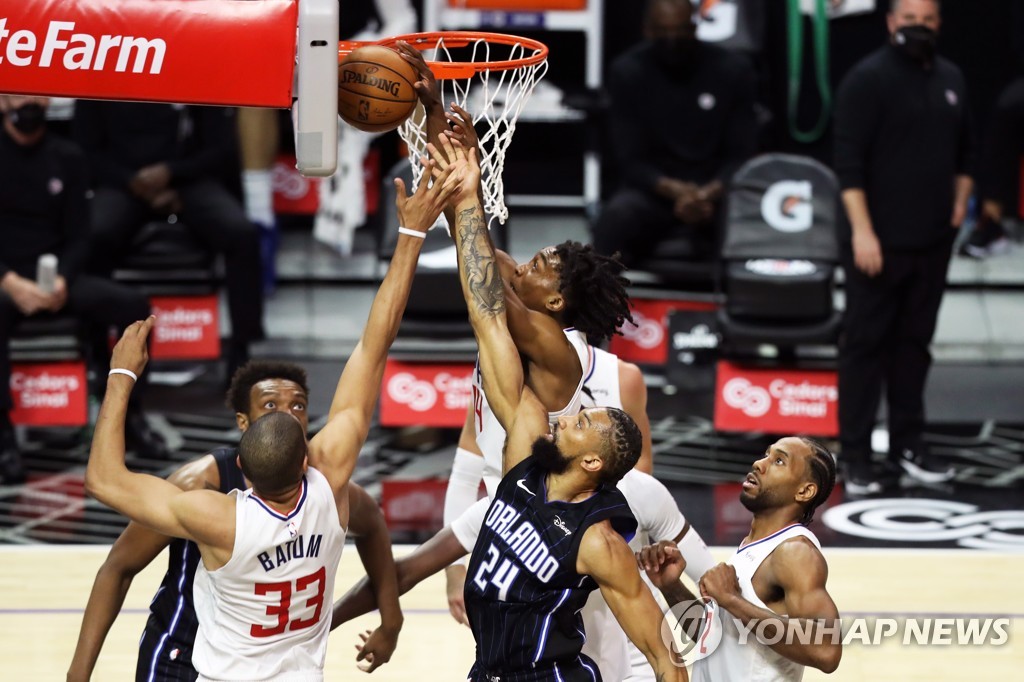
[
  {"x": 412, "y": 233},
  {"x": 126, "y": 372}
]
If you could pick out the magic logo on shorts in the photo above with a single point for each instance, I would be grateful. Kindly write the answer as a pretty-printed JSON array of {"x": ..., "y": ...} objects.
[{"x": 61, "y": 46}]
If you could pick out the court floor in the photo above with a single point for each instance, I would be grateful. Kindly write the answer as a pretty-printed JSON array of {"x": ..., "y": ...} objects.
[{"x": 43, "y": 589}]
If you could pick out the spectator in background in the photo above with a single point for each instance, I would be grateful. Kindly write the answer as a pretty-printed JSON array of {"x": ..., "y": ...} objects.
[
  {"x": 902, "y": 156},
  {"x": 681, "y": 121},
  {"x": 1000, "y": 188},
  {"x": 44, "y": 208},
  {"x": 154, "y": 160}
]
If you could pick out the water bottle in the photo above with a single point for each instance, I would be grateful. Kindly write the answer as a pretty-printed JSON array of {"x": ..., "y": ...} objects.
[{"x": 46, "y": 272}]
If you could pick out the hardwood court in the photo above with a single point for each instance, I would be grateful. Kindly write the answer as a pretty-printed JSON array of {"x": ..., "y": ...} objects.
[{"x": 43, "y": 590}]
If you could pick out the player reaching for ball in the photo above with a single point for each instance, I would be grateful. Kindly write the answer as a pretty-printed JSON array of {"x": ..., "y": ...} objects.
[
  {"x": 269, "y": 554},
  {"x": 557, "y": 501}
]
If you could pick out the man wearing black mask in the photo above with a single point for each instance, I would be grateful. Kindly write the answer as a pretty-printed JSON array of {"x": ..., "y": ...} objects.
[
  {"x": 902, "y": 153},
  {"x": 44, "y": 208},
  {"x": 681, "y": 121}
]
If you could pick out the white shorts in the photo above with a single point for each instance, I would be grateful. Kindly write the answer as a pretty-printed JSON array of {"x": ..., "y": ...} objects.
[{"x": 467, "y": 526}]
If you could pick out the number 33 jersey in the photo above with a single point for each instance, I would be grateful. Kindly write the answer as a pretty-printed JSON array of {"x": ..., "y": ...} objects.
[
  {"x": 523, "y": 594},
  {"x": 266, "y": 613}
]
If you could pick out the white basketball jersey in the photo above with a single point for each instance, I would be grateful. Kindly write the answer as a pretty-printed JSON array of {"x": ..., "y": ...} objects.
[
  {"x": 658, "y": 518},
  {"x": 490, "y": 436},
  {"x": 751, "y": 660},
  {"x": 602, "y": 381},
  {"x": 266, "y": 614}
]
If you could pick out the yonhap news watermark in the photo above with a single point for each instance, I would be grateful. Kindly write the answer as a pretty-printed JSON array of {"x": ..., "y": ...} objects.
[{"x": 695, "y": 630}]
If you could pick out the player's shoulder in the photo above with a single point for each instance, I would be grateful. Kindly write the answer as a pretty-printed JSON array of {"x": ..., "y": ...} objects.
[
  {"x": 201, "y": 473},
  {"x": 798, "y": 554},
  {"x": 949, "y": 71}
]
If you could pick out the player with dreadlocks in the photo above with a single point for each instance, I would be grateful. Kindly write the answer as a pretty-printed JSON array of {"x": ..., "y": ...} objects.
[{"x": 773, "y": 587}]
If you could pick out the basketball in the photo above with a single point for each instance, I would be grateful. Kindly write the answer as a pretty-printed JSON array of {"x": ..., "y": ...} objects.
[{"x": 375, "y": 89}]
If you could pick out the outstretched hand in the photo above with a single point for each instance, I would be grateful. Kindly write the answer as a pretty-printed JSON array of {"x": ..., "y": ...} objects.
[
  {"x": 426, "y": 84},
  {"x": 130, "y": 352},
  {"x": 377, "y": 648},
  {"x": 420, "y": 211},
  {"x": 461, "y": 122},
  {"x": 454, "y": 154}
]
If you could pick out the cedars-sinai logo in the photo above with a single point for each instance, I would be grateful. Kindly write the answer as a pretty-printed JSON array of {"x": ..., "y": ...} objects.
[{"x": 690, "y": 630}]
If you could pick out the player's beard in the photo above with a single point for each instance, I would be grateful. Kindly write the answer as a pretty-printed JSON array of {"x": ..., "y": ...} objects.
[
  {"x": 764, "y": 499},
  {"x": 549, "y": 457}
]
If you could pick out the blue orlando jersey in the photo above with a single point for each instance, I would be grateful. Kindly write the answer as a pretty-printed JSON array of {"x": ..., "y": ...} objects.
[
  {"x": 523, "y": 594},
  {"x": 165, "y": 650}
]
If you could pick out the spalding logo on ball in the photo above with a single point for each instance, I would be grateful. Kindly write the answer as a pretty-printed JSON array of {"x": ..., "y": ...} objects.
[{"x": 375, "y": 89}]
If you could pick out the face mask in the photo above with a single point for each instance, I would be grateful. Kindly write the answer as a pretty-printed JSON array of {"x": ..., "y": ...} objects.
[
  {"x": 917, "y": 42},
  {"x": 28, "y": 118},
  {"x": 675, "y": 52}
]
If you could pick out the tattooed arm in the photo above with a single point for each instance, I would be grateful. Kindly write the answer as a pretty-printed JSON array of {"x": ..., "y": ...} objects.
[{"x": 516, "y": 407}]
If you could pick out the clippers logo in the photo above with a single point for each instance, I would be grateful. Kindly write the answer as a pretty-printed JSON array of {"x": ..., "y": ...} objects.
[
  {"x": 80, "y": 51},
  {"x": 905, "y": 520},
  {"x": 560, "y": 525},
  {"x": 691, "y": 631},
  {"x": 406, "y": 389},
  {"x": 644, "y": 331},
  {"x": 786, "y": 206},
  {"x": 740, "y": 394}
]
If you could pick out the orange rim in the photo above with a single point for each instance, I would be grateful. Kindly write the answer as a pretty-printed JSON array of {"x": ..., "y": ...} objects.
[{"x": 457, "y": 39}]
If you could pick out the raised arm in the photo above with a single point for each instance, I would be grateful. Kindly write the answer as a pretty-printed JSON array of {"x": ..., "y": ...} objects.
[
  {"x": 335, "y": 448},
  {"x": 203, "y": 516},
  {"x": 605, "y": 556},
  {"x": 633, "y": 392},
  {"x": 133, "y": 550},
  {"x": 799, "y": 571}
]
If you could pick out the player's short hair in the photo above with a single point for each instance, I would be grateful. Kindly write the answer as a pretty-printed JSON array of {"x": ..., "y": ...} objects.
[
  {"x": 271, "y": 452},
  {"x": 623, "y": 447},
  {"x": 821, "y": 468},
  {"x": 596, "y": 302},
  {"x": 253, "y": 372}
]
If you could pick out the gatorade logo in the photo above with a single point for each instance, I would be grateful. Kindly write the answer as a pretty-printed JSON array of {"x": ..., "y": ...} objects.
[
  {"x": 63, "y": 47},
  {"x": 786, "y": 206}
]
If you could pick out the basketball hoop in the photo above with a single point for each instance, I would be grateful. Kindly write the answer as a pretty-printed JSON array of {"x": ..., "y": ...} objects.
[{"x": 490, "y": 75}]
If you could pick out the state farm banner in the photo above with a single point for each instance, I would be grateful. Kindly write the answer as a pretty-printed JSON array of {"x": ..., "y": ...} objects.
[
  {"x": 425, "y": 394},
  {"x": 187, "y": 328},
  {"x": 186, "y": 51},
  {"x": 49, "y": 394},
  {"x": 646, "y": 340},
  {"x": 776, "y": 401}
]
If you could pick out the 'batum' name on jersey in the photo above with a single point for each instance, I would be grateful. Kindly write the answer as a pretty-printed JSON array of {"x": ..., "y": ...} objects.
[
  {"x": 293, "y": 549},
  {"x": 522, "y": 539}
]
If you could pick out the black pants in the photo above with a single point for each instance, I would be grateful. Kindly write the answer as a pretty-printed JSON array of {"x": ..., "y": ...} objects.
[
  {"x": 98, "y": 302},
  {"x": 217, "y": 220},
  {"x": 887, "y": 330},
  {"x": 634, "y": 223}
]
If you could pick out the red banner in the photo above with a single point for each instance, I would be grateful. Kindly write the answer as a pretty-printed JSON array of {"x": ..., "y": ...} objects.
[
  {"x": 413, "y": 505},
  {"x": 294, "y": 193},
  {"x": 776, "y": 401},
  {"x": 49, "y": 394},
  {"x": 646, "y": 341},
  {"x": 424, "y": 394},
  {"x": 187, "y": 328},
  {"x": 228, "y": 52}
]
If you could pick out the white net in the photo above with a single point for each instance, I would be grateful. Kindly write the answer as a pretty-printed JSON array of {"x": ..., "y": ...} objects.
[{"x": 495, "y": 98}]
